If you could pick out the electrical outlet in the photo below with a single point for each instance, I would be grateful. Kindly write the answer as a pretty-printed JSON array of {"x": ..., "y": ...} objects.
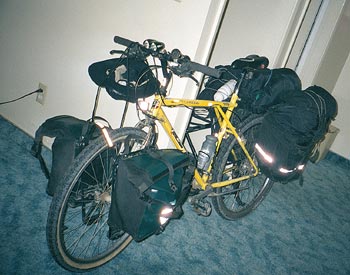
[{"x": 40, "y": 97}]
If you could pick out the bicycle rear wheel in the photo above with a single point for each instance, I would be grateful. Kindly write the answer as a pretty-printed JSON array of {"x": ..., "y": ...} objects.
[
  {"x": 77, "y": 229},
  {"x": 239, "y": 199}
]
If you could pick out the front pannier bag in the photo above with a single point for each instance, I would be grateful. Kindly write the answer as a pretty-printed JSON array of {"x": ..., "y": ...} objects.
[
  {"x": 290, "y": 131},
  {"x": 150, "y": 188},
  {"x": 71, "y": 136}
]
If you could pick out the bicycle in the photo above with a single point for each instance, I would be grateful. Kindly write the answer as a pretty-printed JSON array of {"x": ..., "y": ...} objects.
[{"x": 77, "y": 222}]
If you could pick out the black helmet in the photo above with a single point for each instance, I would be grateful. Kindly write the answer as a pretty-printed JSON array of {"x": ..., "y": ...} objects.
[
  {"x": 252, "y": 61},
  {"x": 125, "y": 78}
]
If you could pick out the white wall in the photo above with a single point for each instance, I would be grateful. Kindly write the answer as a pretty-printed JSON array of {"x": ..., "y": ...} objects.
[
  {"x": 318, "y": 43},
  {"x": 253, "y": 27},
  {"x": 341, "y": 93},
  {"x": 341, "y": 89},
  {"x": 54, "y": 42},
  {"x": 325, "y": 62}
]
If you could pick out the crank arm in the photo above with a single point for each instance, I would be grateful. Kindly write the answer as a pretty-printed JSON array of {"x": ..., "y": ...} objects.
[
  {"x": 227, "y": 192},
  {"x": 201, "y": 195}
]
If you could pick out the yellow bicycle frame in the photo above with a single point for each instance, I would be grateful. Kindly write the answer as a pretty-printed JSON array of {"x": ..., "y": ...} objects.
[{"x": 225, "y": 128}]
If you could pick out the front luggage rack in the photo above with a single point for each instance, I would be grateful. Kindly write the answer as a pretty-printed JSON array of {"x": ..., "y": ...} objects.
[{"x": 200, "y": 120}]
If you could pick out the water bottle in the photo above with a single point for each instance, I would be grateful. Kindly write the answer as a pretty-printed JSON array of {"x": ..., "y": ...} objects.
[
  {"x": 225, "y": 90},
  {"x": 206, "y": 152}
]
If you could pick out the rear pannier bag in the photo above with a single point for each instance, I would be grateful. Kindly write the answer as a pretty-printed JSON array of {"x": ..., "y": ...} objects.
[
  {"x": 290, "y": 130},
  {"x": 260, "y": 88},
  {"x": 150, "y": 188},
  {"x": 281, "y": 81}
]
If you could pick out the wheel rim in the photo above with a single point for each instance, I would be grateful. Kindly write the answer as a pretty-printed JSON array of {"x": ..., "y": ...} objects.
[
  {"x": 82, "y": 231},
  {"x": 247, "y": 189},
  {"x": 246, "y": 195},
  {"x": 83, "y": 225},
  {"x": 239, "y": 199}
]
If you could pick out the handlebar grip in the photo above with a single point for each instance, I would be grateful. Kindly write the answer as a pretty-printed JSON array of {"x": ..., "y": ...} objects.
[
  {"x": 123, "y": 41},
  {"x": 204, "y": 69}
]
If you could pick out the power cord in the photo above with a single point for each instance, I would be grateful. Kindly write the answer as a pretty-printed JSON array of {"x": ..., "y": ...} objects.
[{"x": 37, "y": 91}]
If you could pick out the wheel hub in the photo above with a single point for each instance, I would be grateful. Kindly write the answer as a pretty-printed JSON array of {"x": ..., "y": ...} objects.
[{"x": 104, "y": 197}]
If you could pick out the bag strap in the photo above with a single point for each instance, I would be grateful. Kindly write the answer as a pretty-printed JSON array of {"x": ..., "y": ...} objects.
[
  {"x": 170, "y": 167},
  {"x": 89, "y": 130},
  {"x": 36, "y": 152}
]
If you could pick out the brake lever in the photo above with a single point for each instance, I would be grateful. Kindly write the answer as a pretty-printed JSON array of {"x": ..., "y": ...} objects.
[
  {"x": 182, "y": 70},
  {"x": 137, "y": 50},
  {"x": 194, "y": 79}
]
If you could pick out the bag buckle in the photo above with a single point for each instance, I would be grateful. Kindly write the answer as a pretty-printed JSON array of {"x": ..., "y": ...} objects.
[{"x": 173, "y": 186}]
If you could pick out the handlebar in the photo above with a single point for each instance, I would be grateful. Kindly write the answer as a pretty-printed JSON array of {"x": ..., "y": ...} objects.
[
  {"x": 204, "y": 69},
  {"x": 185, "y": 67},
  {"x": 123, "y": 41}
]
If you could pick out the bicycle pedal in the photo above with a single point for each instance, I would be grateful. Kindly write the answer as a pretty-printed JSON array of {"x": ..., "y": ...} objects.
[{"x": 202, "y": 208}]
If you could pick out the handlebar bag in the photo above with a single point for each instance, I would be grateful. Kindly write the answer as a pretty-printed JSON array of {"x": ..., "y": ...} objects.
[
  {"x": 150, "y": 188},
  {"x": 125, "y": 78},
  {"x": 290, "y": 131}
]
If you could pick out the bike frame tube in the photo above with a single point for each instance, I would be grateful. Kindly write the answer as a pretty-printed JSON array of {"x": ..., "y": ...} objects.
[{"x": 225, "y": 127}]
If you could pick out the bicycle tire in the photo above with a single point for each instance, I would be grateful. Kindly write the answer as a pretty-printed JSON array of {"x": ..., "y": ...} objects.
[
  {"x": 77, "y": 226},
  {"x": 251, "y": 192}
]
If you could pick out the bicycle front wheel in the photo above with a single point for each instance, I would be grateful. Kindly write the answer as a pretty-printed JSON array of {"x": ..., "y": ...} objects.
[
  {"x": 239, "y": 199},
  {"x": 77, "y": 229}
]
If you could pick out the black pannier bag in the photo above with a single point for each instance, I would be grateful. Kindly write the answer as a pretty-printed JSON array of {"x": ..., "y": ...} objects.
[
  {"x": 233, "y": 71},
  {"x": 260, "y": 88},
  {"x": 125, "y": 78},
  {"x": 71, "y": 136},
  {"x": 150, "y": 188},
  {"x": 229, "y": 72},
  {"x": 280, "y": 81},
  {"x": 290, "y": 130}
]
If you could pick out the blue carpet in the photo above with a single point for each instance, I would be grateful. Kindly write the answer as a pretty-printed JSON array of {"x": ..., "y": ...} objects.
[{"x": 296, "y": 230}]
